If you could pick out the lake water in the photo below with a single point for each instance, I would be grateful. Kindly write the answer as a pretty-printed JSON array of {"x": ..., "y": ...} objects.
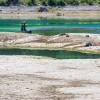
[
  {"x": 58, "y": 54},
  {"x": 52, "y": 26}
]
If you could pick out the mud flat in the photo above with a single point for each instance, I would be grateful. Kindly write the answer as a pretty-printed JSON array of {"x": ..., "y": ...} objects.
[{"x": 31, "y": 78}]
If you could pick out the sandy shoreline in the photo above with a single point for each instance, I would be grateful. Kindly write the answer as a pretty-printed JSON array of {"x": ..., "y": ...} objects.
[{"x": 29, "y": 78}]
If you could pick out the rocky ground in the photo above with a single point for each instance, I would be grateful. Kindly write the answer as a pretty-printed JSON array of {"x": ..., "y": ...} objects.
[{"x": 34, "y": 78}]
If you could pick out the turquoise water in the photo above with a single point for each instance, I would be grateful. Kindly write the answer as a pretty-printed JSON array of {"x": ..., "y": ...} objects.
[
  {"x": 58, "y": 54},
  {"x": 52, "y": 26}
]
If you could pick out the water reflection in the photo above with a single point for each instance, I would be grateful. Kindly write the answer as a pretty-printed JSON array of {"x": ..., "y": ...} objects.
[{"x": 59, "y": 54}]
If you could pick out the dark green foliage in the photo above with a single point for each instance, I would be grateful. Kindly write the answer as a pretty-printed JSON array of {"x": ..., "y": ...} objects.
[
  {"x": 3, "y": 2},
  {"x": 73, "y": 2},
  {"x": 34, "y": 2},
  {"x": 13, "y": 2},
  {"x": 90, "y": 2},
  {"x": 48, "y": 2},
  {"x": 44, "y": 3},
  {"x": 61, "y": 3},
  {"x": 51, "y": 2}
]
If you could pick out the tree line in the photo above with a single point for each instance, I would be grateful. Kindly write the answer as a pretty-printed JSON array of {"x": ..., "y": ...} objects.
[{"x": 48, "y": 2}]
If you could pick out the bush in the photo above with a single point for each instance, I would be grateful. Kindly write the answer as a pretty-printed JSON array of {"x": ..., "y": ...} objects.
[
  {"x": 51, "y": 2},
  {"x": 26, "y": 2},
  {"x": 73, "y": 2},
  {"x": 44, "y": 3},
  {"x": 3, "y": 2},
  {"x": 89, "y": 2},
  {"x": 61, "y": 3},
  {"x": 98, "y": 1}
]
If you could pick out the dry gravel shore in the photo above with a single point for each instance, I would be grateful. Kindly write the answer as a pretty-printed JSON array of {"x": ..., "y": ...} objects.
[{"x": 29, "y": 78}]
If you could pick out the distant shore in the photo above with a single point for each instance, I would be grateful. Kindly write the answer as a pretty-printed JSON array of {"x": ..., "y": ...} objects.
[
  {"x": 66, "y": 8},
  {"x": 53, "y": 12}
]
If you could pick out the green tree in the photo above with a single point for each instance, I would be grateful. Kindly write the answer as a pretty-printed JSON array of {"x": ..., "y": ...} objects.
[
  {"x": 14, "y": 2},
  {"x": 49, "y": 2},
  {"x": 33, "y": 2},
  {"x": 44, "y": 2},
  {"x": 25, "y": 2},
  {"x": 52, "y": 2},
  {"x": 3, "y": 2},
  {"x": 61, "y": 3},
  {"x": 73, "y": 2},
  {"x": 89, "y": 2}
]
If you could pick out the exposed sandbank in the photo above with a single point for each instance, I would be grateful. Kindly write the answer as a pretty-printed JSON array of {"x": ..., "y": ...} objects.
[
  {"x": 28, "y": 78},
  {"x": 73, "y": 42}
]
